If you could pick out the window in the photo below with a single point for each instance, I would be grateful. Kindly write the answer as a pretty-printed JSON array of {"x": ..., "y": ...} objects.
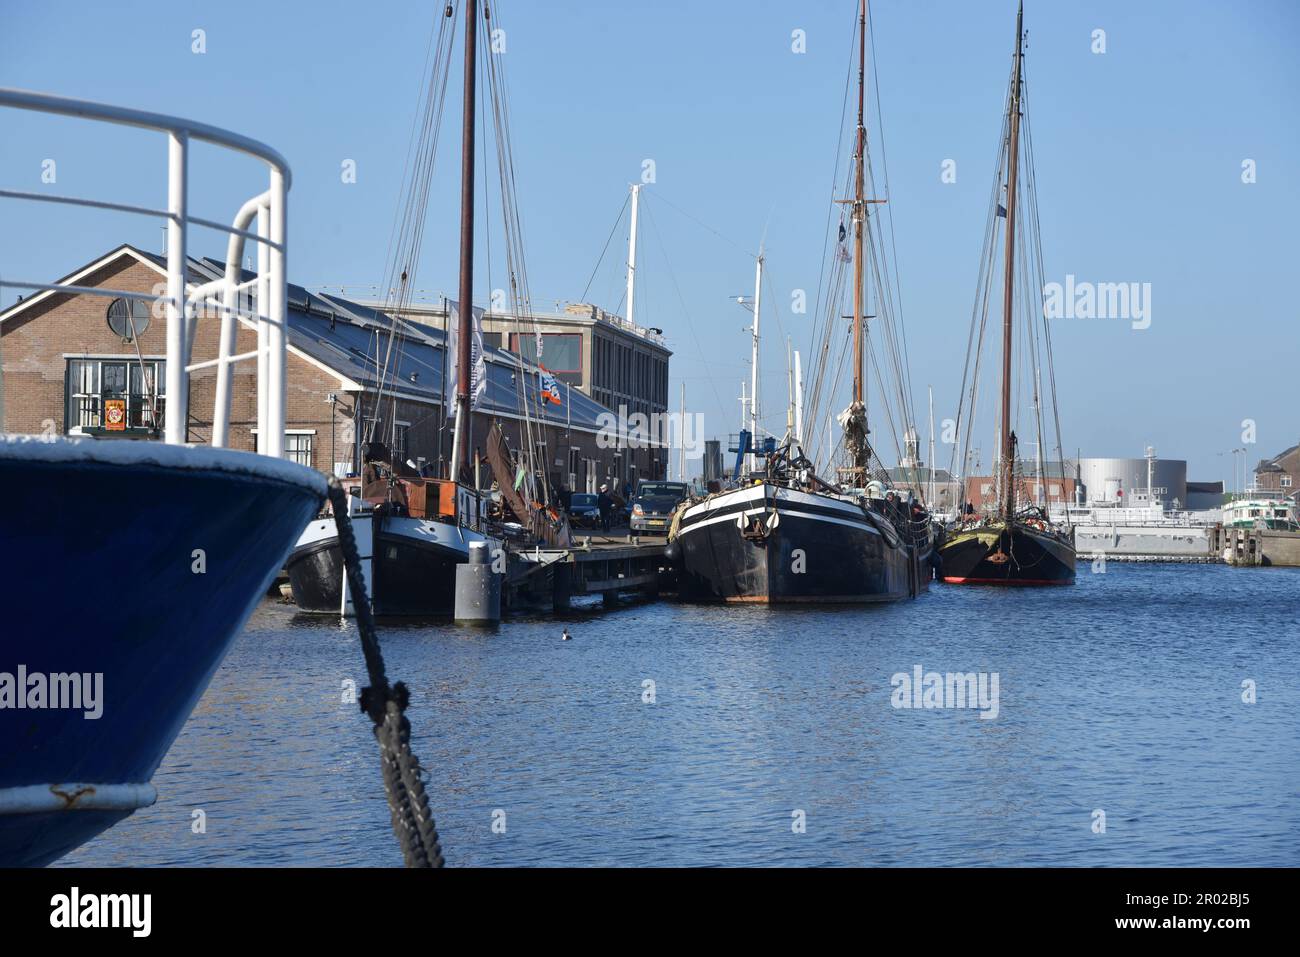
[
  {"x": 561, "y": 351},
  {"x": 140, "y": 384},
  {"x": 298, "y": 447},
  {"x": 1286, "y": 481},
  {"x": 376, "y": 430},
  {"x": 128, "y": 318},
  {"x": 400, "y": 430}
]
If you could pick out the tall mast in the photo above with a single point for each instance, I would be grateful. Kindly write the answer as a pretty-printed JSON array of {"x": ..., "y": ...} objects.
[
  {"x": 753, "y": 371},
  {"x": 859, "y": 208},
  {"x": 631, "y": 253},
  {"x": 460, "y": 443},
  {"x": 855, "y": 423},
  {"x": 1008, "y": 285}
]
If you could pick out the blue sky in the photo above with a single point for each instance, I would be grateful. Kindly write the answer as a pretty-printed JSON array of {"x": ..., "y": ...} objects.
[{"x": 1138, "y": 150}]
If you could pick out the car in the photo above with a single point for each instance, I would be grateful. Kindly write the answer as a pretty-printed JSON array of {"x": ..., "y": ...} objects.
[
  {"x": 653, "y": 505},
  {"x": 584, "y": 510}
]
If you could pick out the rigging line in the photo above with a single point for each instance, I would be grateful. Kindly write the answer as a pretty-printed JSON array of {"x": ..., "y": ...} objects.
[
  {"x": 603, "y": 251},
  {"x": 436, "y": 30},
  {"x": 660, "y": 196},
  {"x": 889, "y": 211},
  {"x": 1037, "y": 231},
  {"x": 835, "y": 174},
  {"x": 421, "y": 154},
  {"x": 979, "y": 308},
  {"x": 690, "y": 323}
]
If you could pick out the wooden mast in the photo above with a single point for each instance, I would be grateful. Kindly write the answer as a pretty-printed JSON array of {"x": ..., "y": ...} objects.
[
  {"x": 465, "y": 325},
  {"x": 1008, "y": 285},
  {"x": 859, "y": 212}
]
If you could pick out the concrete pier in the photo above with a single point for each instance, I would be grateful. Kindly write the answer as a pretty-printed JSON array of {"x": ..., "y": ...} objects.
[{"x": 1258, "y": 547}]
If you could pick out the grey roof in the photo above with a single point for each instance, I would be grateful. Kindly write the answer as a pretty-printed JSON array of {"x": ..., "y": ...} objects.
[
  {"x": 921, "y": 473},
  {"x": 353, "y": 339}
]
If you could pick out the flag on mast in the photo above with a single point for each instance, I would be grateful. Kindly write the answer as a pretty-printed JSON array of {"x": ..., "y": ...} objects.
[
  {"x": 550, "y": 386},
  {"x": 477, "y": 364}
]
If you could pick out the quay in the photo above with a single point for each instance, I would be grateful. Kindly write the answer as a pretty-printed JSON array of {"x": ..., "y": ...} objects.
[
  {"x": 1259, "y": 547},
  {"x": 1135, "y": 542},
  {"x": 611, "y": 566}
]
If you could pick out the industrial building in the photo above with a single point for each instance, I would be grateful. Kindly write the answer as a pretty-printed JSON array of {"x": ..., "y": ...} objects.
[{"x": 1124, "y": 481}]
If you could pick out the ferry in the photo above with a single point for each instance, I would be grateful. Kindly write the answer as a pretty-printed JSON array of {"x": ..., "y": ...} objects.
[{"x": 1262, "y": 508}]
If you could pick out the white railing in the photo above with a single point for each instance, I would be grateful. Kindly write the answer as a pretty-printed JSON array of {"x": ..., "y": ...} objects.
[{"x": 270, "y": 211}]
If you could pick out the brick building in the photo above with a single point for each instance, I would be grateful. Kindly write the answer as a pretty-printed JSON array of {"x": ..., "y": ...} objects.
[
  {"x": 66, "y": 360},
  {"x": 1281, "y": 472},
  {"x": 1056, "y": 488}
]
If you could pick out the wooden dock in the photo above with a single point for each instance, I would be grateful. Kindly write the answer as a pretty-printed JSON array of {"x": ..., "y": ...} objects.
[{"x": 606, "y": 565}]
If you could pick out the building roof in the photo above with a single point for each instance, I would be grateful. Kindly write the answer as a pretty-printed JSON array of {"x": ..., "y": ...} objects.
[
  {"x": 1274, "y": 464},
  {"x": 574, "y": 315},
  {"x": 919, "y": 473},
  {"x": 350, "y": 339}
]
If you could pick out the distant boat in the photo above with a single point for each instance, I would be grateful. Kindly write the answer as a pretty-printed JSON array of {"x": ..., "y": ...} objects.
[
  {"x": 785, "y": 534},
  {"x": 1016, "y": 542},
  {"x": 135, "y": 564},
  {"x": 1261, "y": 508}
]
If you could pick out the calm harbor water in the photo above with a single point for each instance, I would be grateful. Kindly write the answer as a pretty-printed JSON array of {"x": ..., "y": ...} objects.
[{"x": 1122, "y": 694}]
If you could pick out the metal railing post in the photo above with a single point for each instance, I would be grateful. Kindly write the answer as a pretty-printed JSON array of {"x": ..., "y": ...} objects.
[
  {"x": 263, "y": 312},
  {"x": 232, "y": 280},
  {"x": 177, "y": 410},
  {"x": 278, "y": 331}
]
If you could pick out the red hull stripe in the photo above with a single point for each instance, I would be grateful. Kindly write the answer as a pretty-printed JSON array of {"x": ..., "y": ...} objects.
[{"x": 1004, "y": 581}]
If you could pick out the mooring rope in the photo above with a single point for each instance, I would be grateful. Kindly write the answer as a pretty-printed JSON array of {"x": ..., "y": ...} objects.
[{"x": 386, "y": 705}]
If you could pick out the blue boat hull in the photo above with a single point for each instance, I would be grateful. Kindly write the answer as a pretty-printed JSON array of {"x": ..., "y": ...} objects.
[{"x": 142, "y": 573}]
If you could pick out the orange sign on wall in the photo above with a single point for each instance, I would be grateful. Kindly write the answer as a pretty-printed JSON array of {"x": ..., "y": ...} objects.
[{"x": 115, "y": 415}]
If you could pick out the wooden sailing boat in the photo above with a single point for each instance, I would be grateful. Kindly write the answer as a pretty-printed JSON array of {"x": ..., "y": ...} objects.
[
  {"x": 787, "y": 535},
  {"x": 416, "y": 529},
  {"x": 1017, "y": 543}
]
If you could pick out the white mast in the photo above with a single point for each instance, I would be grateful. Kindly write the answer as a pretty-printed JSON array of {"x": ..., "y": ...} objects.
[
  {"x": 930, "y": 498},
  {"x": 789, "y": 388},
  {"x": 631, "y": 252},
  {"x": 753, "y": 372},
  {"x": 681, "y": 436},
  {"x": 798, "y": 401}
]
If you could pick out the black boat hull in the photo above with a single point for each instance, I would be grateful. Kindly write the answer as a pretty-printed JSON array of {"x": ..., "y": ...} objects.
[
  {"x": 412, "y": 568},
  {"x": 998, "y": 555},
  {"x": 815, "y": 549}
]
